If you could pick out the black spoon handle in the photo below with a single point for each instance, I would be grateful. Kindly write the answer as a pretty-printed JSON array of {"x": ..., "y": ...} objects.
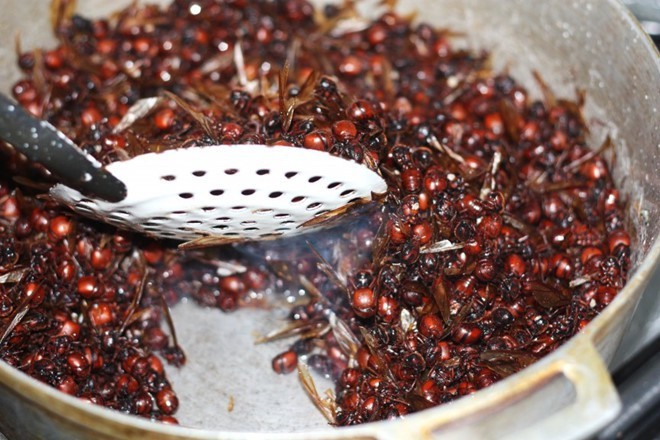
[{"x": 43, "y": 143}]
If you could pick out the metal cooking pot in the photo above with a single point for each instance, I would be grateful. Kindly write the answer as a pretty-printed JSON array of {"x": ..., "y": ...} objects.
[{"x": 594, "y": 46}]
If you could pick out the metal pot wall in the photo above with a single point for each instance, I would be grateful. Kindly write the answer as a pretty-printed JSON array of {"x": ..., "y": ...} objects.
[{"x": 594, "y": 46}]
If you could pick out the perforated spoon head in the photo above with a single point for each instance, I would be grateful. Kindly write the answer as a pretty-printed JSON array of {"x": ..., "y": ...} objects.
[{"x": 225, "y": 193}]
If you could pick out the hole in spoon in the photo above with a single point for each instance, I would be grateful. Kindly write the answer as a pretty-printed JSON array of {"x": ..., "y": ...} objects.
[
  {"x": 270, "y": 235},
  {"x": 83, "y": 209},
  {"x": 115, "y": 219}
]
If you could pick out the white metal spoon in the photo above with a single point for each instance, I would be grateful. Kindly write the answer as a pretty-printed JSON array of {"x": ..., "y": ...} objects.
[{"x": 224, "y": 193}]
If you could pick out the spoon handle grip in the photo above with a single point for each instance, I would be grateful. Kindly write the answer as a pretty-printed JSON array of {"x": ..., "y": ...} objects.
[{"x": 43, "y": 143}]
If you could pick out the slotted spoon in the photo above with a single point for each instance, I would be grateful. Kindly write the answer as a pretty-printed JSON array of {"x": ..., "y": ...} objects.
[
  {"x": 228, "y": 192},
  {"x": 208, "y": 195}
]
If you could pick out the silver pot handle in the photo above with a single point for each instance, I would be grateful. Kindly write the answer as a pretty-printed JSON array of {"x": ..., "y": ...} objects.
[{"x": 567, "y": 395}]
